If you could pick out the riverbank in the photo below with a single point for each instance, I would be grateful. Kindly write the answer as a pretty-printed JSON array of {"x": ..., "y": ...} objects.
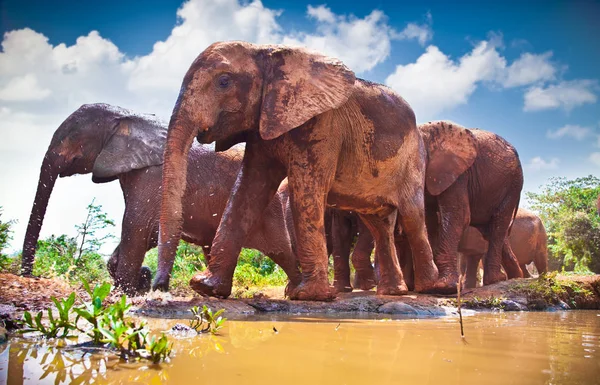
[{"x": 552, "y": 292}]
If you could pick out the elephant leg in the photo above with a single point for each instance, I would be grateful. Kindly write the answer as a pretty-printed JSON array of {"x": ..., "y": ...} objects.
[
  {"x": 525, "y": 271},
  {"x": 257, "y": 182},
  {"x": 391, "y": 281},
  {"x": 472, "y": 265},
  {"x": 510, "y": 262},
  {"x": 206, "y": 252},
  {"x": 364, "y": 278},
  {"x": 341, "y": 234},
  {"x": 128, "y": 274},
  {"x": 454, "y": 218},
  {"x": 499, "y": 252},
  {"x": 406, "y": 260},
  {"x": 307, "y": 198}
]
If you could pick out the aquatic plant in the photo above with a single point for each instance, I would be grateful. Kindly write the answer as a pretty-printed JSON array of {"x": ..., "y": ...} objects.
[
  {"x": 56, "y": 325},
  {"x": 106, "y": 325},
  {"x": 205, "y": 321}
]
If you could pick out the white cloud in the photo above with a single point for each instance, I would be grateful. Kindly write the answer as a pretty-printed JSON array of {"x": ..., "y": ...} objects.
[
  {"x": 420, "y": 32},
  {"x": 595, "y": 158},
  {"x": 435, "y": 82},
  {"x": 529, "y": 69},
  {"x": 360, "y": 43},
  {"x": 201, "y": 23},
  {"x": 539, "y": 164},
  {"x": 321, "y": 13},
  {"x": 574, "y": 131},
  {"x": 23, "y": 88},
  {"x": 42, "y": 83},
  {"x": 566, "y": 94}
]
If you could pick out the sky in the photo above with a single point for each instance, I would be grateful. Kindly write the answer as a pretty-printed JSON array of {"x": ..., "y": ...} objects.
[{"x": 527, "y": 71}]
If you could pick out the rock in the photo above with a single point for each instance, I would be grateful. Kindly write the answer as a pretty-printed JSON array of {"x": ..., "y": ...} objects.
[
  {"x": 182, "y": 330},
  {"x": 510, "y": 305},
  {"x": 537, "y": 304},
  {"x": 397, "y": 308}
]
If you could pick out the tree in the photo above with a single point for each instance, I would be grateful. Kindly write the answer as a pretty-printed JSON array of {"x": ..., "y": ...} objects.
[
  {"x": 568, "y": 210},
  {"x": 95, "y": 221}
]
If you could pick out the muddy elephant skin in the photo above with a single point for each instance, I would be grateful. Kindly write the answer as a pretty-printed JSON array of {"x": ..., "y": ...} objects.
[
  {"x": 528, "y": 241},
  {"x": 474, "y": 177},
  {"x": 340, "y": 141},
  {"x": 114, "y": 143}
]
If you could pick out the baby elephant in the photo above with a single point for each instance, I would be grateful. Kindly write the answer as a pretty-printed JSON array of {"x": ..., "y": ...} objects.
[
  {"x": 114, "y": 143},
  {"x": 527, "y": 239}
]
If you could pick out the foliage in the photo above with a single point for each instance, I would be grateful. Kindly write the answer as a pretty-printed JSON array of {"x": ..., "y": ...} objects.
[
  {"x": 490, "y": 302},
  {"x": 5, "y": 237},
  {"x": 106, "y": 325},
  {"x": 205, "y": 321},
  {"x": 254, "y": 269},
  {"x": 548, "y": 289},
  {"x": 56, "y": 324},
  {"x": 568, "y": 210},
  {"x": 95, "y": 222},
  {"x": 56, "y": 257}
]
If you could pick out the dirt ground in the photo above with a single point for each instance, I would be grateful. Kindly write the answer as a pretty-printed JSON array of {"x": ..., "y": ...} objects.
[{"x": 18, "y": 294}]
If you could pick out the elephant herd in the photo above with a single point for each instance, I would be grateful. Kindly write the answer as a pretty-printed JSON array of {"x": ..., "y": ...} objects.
[{"x": 328, "y": 158}]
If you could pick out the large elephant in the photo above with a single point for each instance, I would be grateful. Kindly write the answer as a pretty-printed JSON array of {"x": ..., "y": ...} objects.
[
  {"x": 114, "y": 143},
  {"x": 340, "y": 140},
  {"x": 528, "y": 241},
  {"x": 481, "y": 188}
]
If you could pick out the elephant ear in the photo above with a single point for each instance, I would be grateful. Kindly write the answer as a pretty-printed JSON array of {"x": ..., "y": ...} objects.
[
  {"x": 299, "y": 85},
  {"x": 136, "y": 143},
  {"x": 452, "y": 149}
]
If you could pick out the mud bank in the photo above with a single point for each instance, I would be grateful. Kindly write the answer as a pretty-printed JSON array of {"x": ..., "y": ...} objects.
[{"x": 552, "y": 292}]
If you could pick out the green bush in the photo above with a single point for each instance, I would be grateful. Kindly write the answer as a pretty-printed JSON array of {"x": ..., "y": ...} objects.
[
  {"x": 57, "y": 257},
  {"x": 568, "y": 210},
  {"x": 6, "y": 262}
]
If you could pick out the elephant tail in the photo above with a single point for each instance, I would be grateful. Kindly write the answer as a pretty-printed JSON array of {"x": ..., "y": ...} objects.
[{"x": 514, "y": 215}]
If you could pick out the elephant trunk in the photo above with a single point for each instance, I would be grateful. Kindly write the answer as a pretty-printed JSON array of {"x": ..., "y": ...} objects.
[
  {"x": 48, "y": 174},
  {"x": 174, "y": 179}
]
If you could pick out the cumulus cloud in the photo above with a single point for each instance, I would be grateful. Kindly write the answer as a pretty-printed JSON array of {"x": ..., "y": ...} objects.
[
  {"x": 574, "y": 131},
  {"x": 42, "y": 83},
  {"x": 539, "y": 164},
  {"x": 530, "y": 68},
  {"x": 420, "y": 32},
  {"x": 360, "y": 43},
  {"x": 595, "y": 158},
  {"x": 435, "y": 82},
  {"x": 566, "y": 95}
]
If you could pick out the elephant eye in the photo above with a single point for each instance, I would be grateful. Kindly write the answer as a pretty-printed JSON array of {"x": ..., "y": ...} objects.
[{"x": 224, "y": 81}]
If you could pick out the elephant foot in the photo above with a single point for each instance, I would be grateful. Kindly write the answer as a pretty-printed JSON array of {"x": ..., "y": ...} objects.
[
  {"x": 342, "y": 287},
  {"x": 145, "y": 280},
  {"x": 514, "y": 271},
  {"x": 161, "y": 282},
  {"x": 310, "y": 291},
  {"x": 387, "y": 289},
  {"x": 446, "y": 284},
  {"x": 365, "y": 280},
  {"x": 289, "y": 288},
  {"x": 491, "y": 278},
  {"x": 205, "y": 283}
]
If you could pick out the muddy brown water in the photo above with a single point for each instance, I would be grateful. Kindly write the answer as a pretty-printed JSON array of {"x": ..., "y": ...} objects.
[{"x": 501, "y": 348}]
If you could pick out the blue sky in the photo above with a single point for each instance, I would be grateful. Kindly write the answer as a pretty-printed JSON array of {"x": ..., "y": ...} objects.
[{"x": 528, "y": 72}]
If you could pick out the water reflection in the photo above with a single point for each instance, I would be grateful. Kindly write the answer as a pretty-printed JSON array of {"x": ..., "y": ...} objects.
[{"x": 509, "y": 348}]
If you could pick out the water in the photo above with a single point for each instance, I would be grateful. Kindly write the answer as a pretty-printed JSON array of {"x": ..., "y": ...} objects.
[{"x": 508, "y": 348}]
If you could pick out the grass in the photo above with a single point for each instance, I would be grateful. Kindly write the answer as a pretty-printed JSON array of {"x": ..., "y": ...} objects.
[{"x": 547, "y": 289}]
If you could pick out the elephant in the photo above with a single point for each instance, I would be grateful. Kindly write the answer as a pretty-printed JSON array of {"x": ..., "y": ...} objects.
[
  {"x": 481, "y": 190},
  {"x": 527, "y": 238},
  {"x": 115, "y": 143},
  {"x": 340, "y": 140}
]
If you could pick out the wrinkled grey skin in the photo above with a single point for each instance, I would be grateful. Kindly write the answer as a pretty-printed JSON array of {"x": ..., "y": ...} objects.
[
  {"x": 114, "y": 143},
  {"x": 527, "y": 238}
]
